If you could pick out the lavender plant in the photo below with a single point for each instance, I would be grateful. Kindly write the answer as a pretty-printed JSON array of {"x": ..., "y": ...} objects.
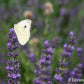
[
  {"x": 65, "y": 16},
  {"x": 42, "y": 70},
  {"x": 43, "y": 67},
  {"x": 63, "y": 72},
  {"x": 77, "y": 71},
  {"x": 13, "y": 64}
]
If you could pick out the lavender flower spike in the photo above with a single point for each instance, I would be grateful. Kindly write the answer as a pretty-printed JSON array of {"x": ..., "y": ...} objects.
[
  {"x": 13, "y": 63},
  {"x": 66, "y": 55},
  {"x": 43, "y": 69}
]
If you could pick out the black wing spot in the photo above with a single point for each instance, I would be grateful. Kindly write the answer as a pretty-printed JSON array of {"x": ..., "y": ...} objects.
[{"x": 25, "y": 26}]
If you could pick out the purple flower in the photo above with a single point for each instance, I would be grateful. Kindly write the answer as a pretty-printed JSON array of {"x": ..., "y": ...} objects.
[
  {"x": 71, "y": 33},
  {"x": 12, "y": 64},
  {"x": 63, "y": 11},
  {"x": 65, "y": 45},
  {"x": 54, "y": 42},
  {"x": 32, "y": 57},
  {"x": 37, "y": 81},
  {"x": 79, "y": 51},
  {"x": 72, "y": 48},
  {"x": 77, "y": 71},
  {"x": 66, "y": 55},
  {"x": 58, "y": 77},
  {"x": 47, "y": 44},
  {"x": 50, "y": 50},
  {"x": 72, "y": 38},
  {"x": 42, "y": 70}
]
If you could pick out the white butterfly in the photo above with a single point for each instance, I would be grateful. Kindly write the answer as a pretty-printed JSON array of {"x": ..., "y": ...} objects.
[{"x": 22, "y": 30}]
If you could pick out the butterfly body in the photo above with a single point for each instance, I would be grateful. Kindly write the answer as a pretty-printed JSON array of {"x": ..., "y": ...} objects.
[{"x": 22, "y": 30}]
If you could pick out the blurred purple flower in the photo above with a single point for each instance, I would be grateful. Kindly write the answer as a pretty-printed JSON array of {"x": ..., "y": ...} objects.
[
  {"x": 54, "y": 42},
  {"x": 72, "y": 38},
  {"x": 32, "y": 58},
  {"x": 71, "y": 33},
  {"x": 79, "y": 51},
  {"x": 77, "y": 71},
  {"x": 58, "y": 77},
  {"x": 74, "y": 12},
  {"x": 30, "y": 3},
  {"x": 63, "y": 11},
  {"x": 12, "y": 64}
]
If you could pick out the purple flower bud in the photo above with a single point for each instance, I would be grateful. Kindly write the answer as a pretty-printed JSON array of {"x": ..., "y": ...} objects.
[
  {"x": 71, "y": 33},
  {"x": 63, "y": 11},
  {"x": 79, "y": 51},
  {"x": 65, "y": 45},
  {"x": 72, "y": 48},
  {"x": 58, "y": 77}
]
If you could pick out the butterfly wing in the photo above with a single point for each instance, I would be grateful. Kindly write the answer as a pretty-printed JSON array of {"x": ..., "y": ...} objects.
[
  {"x": 26, "y": 22},
  {"x": 23, "y": 34}
]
